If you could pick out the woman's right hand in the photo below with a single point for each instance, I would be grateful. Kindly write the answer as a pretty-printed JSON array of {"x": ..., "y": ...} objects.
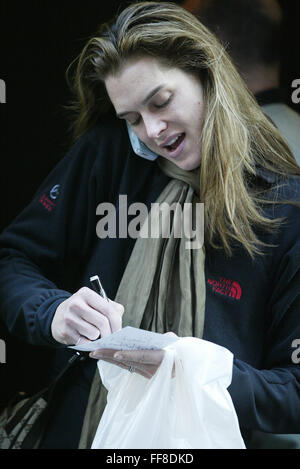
[{"x": 85, "y": 317}]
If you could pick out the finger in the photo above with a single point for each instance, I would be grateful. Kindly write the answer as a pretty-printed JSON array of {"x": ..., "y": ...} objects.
[
  {"x": 113, "y": 312},
  {"x": 110, "y": 309},
  {"x": 109, "y": 355},
  {"x": 82, "y": 340},
  {"x": 150, "y": 357},
  {"x": 86, "y": 329},
  {"x": 84, "y": 320},
  {"x": 142, "y": 372},
  {"x": 147, "y": 370},
  {"x": 103, "y": 354},
  {"x": 69, "y": 334},
  {"x": 146, "y": 357},
  {"x": 114, "y": 362},
  {"x": 78, "y": 321},
  {"x": 93, "y": 324}
]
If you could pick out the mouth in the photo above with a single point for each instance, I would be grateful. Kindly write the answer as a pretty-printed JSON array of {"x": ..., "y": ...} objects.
[{"x": 173, "y": 145}]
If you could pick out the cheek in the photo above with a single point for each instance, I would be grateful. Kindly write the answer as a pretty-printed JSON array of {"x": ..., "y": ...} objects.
[
  {"x": 187, "y": 112},
  {"x": 201, "y": 109},
  {"x": 142, "y": 135},
  {"x": 197, "y": 115}
]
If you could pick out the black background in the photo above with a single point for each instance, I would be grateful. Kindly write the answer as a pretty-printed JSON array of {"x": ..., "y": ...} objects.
[{"x": 38, "y": 42}]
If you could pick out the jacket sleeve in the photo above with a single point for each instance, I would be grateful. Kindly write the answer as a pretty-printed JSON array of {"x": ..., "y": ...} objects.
[
  {"x": 268, "y": 399},
  {"x": 41, "y": 251}
]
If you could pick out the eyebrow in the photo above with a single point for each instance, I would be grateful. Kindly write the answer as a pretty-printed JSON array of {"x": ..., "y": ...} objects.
[{"x": 149, "y": 96}]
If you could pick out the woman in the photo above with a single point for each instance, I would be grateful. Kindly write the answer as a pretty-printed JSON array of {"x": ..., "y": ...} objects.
[{"x": 163, "y": 72}]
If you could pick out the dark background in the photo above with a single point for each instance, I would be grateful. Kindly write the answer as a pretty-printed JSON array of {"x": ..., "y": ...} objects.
[{"x": 38, "y": 41}]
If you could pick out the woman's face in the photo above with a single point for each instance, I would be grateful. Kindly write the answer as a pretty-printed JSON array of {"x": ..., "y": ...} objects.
[{"x": 164, "y": 107}]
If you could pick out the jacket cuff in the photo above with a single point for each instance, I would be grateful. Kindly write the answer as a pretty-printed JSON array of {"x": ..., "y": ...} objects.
[{"x": 43, "y": 316}]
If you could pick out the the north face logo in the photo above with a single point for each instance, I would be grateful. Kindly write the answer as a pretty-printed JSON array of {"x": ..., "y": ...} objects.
[{"x": 226, "y": 287}]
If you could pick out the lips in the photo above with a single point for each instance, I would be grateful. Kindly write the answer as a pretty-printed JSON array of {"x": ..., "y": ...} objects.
[{"x": 172, "y": 143}]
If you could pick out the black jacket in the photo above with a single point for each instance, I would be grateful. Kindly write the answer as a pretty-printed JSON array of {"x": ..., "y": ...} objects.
[{"x": 252, "y": 307}]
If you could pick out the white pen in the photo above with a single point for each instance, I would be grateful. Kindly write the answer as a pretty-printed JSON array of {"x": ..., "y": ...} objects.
[{"x": 97, "y": 287}]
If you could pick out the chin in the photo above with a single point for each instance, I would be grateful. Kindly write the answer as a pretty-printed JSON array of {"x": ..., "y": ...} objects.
[{"x": 188, "y": 164}]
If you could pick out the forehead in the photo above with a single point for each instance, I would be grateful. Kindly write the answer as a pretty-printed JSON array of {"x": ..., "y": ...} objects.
[{"x": 137, "y": 76}]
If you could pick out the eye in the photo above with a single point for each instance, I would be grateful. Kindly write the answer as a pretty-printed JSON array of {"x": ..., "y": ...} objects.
[
  {"x": 164, "y": 103},
  {"x": 132, "y": 118},
  {"x": 134, "y": 123}
]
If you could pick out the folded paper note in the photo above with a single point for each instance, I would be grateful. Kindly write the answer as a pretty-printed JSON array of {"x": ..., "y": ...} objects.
[{"x": 129, "y": 338}]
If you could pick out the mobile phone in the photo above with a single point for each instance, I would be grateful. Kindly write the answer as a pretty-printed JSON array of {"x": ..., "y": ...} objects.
[{"x": 139, "y": 147}]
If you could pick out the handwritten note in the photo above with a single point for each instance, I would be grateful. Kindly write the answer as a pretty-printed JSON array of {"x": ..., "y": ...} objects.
[{"x": 129, "y": 338}]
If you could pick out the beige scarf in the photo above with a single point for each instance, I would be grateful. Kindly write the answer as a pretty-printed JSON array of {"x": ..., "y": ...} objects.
[{"x": 163, "y": 286}]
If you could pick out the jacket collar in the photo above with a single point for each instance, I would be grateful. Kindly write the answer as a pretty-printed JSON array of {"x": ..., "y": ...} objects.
[{"x": 266, "y": 175}]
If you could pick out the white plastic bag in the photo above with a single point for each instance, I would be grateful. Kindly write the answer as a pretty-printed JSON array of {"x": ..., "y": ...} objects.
[{"x": 190, "y": 410}]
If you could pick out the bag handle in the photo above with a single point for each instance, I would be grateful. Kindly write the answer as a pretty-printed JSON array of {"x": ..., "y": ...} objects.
[{"x": 39, "y": 425}]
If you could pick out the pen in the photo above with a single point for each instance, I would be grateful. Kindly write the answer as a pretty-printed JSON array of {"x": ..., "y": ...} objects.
[{"x": 97, "y": 287}]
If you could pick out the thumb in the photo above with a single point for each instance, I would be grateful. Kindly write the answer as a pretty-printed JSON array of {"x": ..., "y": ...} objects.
[{"x": 82, "y": 340}]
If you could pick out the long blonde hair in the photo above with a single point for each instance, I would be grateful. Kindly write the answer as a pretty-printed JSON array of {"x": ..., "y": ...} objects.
[{"x": 237, "y": 137}]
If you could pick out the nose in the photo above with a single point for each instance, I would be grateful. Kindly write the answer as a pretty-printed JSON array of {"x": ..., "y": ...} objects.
[{"x": 154, "y": 126}]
